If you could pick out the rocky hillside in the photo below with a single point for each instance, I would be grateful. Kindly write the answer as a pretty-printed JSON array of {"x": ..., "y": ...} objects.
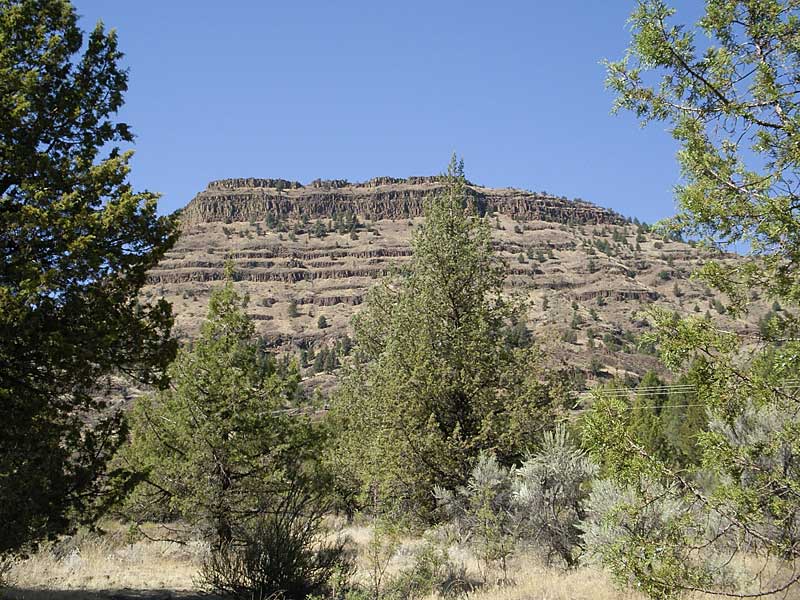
[{"x": 306, "y": 255}]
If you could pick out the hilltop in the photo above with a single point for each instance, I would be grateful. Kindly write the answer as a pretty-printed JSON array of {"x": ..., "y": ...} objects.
[{"x": 303, "y": 252}]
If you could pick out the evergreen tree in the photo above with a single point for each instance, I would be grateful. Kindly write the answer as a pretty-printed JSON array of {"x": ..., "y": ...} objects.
[
  {"x": 645, "y": 417},
  {"x": 331, "y": 361},
  {"x": 320, "y": 360},
  {"x": 686, "y": 418},
  {"x": 216, "y": 448},
  {"x": 320, "y": 230},
  {"x": 76, "y": 243},
  {"x": 732, "y": 102},
  {"x": 434, "y": 381}
]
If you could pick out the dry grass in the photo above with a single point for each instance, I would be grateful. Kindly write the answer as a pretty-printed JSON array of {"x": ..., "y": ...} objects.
[
  {"x": 109, "y": 562},
  {"x": 532, "y": 580},
  {"x": 103, "y": 567}
]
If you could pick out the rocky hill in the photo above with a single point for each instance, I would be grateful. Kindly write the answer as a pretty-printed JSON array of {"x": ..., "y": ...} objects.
[{"x": 305, "y": 252}]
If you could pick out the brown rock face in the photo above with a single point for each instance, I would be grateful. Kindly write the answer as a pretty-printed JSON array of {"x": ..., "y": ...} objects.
[
  {"x": 586, "y": 271},
  {"x": 231, "y": 200}
]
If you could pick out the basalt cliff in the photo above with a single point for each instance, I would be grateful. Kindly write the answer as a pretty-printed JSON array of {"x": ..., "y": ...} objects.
[
  {"x": 302, "y": 252},
  {"x": 382, "y": 198}
]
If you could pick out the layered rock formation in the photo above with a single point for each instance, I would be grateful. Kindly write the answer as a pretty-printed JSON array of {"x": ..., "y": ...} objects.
[
  {"x": 231, "y": 200},
  {"x": 301, "y": 252}
]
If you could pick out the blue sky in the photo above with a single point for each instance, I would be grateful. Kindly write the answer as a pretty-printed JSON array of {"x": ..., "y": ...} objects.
[{"x": 354, "y": 89}]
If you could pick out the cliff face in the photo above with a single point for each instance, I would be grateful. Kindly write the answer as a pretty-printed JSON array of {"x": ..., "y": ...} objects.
[
  {"x": 305, "y": 251},
  {"x": 382, "y": 198}
]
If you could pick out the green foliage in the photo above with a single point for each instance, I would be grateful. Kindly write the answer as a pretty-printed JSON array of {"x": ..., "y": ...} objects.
[
  {"x": 292, "y": 311},
  {"x": 434, "y": 381},
  {"x": 770, "y": 325},
  {"x": 76, "y": 242},
  {"x": 272, "y": 221},
  {"x": 346, "y": 222},
  {"x": 320, "y": 230},
  {"x": 217, "y": 448},
  {"x": 327, "y": 359},
  {"x": 640, "y": 531},
  {"x": 731, "y": 100},
  {"x": 518, "y": 335},
  {"x": 596, "y": 366},
  {"x": 685, "y": 418},
  {"x": 322, "y": 322},
  {"x": 604, "y": 246},
  {"x": 663, "y": 422},
  {"x": 645, "y": 414}
]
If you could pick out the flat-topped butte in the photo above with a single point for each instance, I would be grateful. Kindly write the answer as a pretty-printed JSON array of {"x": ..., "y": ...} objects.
[{"x": 380, "y": 198}]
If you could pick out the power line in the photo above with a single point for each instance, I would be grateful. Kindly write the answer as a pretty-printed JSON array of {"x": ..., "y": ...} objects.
[
  {"x": 648, "y": 406},
  {"x": 684, "y": 388}
]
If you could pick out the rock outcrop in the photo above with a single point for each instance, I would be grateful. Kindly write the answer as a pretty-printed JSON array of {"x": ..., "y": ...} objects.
[
  {"x": 305, "y": 251},
  {"x": 382, "y": 198}
]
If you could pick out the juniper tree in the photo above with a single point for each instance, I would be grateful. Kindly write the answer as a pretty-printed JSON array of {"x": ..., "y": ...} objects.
[
  {"x": 433, "y": 380},
  {"x": 76, "y": 242},
  {"x": 217, "y": 448},
  {"x": 729, "y": 87},
  {"x": 645, "y": 414}
]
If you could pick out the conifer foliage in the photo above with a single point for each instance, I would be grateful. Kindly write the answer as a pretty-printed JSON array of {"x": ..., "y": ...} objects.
[
  {"x": 730, "y": 91},
  {"x": 434, "y": 381},
  {"x": 218, "y": 448},
  {"x": 75, "y": 244}
]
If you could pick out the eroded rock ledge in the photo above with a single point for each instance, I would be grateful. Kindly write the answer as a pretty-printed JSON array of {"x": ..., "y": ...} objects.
[{"x": 231, "y": 200}]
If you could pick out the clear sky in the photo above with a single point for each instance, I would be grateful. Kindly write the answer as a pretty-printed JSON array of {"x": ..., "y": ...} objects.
[{"x": 356, "y": 89}]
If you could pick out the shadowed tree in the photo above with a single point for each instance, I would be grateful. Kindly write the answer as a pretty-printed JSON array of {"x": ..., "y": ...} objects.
[{"x": 75, "y": 244}]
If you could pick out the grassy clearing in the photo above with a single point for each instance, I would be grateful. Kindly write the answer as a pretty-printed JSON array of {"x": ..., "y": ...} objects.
[
  {"x": 92, "y": 562},
  {"x": 110, "y": 566}
]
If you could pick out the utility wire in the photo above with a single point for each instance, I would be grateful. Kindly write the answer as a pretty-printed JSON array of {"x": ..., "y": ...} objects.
[{"x": 651, "y": 391}]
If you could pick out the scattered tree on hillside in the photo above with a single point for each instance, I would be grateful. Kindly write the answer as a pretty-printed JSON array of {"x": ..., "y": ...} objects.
[{"x": 76, "y": 243}]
